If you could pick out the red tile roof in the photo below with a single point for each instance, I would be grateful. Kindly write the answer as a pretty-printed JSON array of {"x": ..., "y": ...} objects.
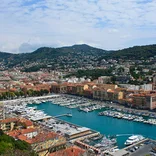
[
  {"x": 41, "y": 137},
  {"x": 22, "y": 120},
  {"x": 70, "y": 151},
  {"x": 26, "y": 122},
  {"x": 8, "y": 120},
  {"x": 17, "y": 133}
]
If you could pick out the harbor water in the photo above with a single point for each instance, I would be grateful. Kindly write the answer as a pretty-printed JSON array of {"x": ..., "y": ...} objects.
[{"x": 105, "y": 125}]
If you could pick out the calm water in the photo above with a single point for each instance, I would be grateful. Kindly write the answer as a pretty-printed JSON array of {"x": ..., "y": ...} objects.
[{"x": 105, "y": 125}]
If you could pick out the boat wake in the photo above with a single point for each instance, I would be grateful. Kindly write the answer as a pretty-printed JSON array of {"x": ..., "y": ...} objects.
[{"x": 118, "y": 135}]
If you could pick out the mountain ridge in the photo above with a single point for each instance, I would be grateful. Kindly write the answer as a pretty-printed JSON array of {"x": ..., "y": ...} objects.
[{"x": 74, "y": 56}]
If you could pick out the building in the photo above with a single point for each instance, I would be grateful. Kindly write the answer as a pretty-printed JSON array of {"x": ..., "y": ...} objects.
[
  {"x": 144, "y": 101},
  {"x": 29, "y": 133},
  {"x": 70, "y": 151},
  {"x": 72, "y": 89},
  {"x": 59, "y": 88},
  {"x": 122, "y": 79},
  {"x": 154, "y": 79},
  {"x": 104, "y": 79},
  {"x": 77, "y": 132},
  {"x": 108, "y": 94},
  {"x": 10, "y": 124},
  {"x": 2, "y": 111},
  {"x": 80, "y": 89},
  {"x": 145, "y": 87},
  {"x": 41, "y": 142}
]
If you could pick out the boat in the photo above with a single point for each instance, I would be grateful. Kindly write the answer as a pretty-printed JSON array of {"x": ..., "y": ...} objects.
[
  {"x": 98, "y": 137},
  {"x": 69, "y": 114},
  {"x": 133, "y": 139}
]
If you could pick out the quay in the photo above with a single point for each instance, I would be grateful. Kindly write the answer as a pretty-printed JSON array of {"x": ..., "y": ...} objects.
[
  {"x": 30, "y": 99},
  {"x": 40, "y": 118}
]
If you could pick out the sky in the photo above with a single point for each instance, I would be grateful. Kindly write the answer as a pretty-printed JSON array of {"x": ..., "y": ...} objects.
[{"x": 26, "y": 25}]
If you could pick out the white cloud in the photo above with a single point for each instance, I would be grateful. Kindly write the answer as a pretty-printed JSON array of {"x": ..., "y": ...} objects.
[{"x": 108, "y": 24}]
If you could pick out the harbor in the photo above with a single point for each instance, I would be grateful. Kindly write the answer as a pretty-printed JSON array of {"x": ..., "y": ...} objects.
[
  {"x": 73, "y": 110},
  {"x": 74, "y": 133}
]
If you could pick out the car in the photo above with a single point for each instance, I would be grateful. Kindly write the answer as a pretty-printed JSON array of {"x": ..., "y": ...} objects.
[
  {"x": 132, "y": 150},
  {"x": 136, "y": 147},
  {"x": 152, "y": 154},
  {"x": 147, "y": 142}
]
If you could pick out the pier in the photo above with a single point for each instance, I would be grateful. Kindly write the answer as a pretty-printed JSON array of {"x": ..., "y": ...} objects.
[{"x": 68, "y": 114}]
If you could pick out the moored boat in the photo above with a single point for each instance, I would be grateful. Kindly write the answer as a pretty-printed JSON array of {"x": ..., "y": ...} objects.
[{"x": 133, "y": 139}]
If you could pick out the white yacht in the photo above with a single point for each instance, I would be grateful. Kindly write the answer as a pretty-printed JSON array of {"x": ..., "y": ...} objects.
[{"x": 133, "y": 139}]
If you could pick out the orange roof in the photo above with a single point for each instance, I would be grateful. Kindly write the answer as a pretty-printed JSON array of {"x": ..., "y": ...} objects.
[
  {"x": 65, "y": 83},
  {"x": 22, "y": 137},
  {"x": 26, "y": 122},
  {"x": 13, "y": 89},
  {"x": 22, "y": 120},
  {"x": 91, "y": 83},
  {"x": 97, "y": 88},
  {"x": 144, "y": 94},
  {"x": 70, "y": 151},
  {"x": 81, "y": 85},
  {"x": 120, "y": 89},
  {"x": 2, "y": 90},
  {"x": 28, "y": 130},
  {"x": 70, "y": 85},
  {"x": 41, "y": 137},
  {"x": 17, "y": 133},
  {"x": 14, "y": 133},
  {"x": 8, "y": 120},
  {"x": 54, "y": 84}
]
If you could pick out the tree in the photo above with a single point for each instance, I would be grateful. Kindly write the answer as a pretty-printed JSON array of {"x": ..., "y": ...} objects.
[{"x": 11, "y": 147}]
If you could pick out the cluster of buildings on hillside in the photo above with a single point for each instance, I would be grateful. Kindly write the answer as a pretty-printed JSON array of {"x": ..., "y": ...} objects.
[{"x": 42, "y": 141}]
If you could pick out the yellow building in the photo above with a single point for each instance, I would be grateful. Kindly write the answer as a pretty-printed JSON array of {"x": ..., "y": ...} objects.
[
  {"x": 42, "y": 143},
  {"x": 10, "y": 124}
]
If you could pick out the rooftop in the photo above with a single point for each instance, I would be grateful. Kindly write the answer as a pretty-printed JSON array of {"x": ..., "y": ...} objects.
[
  {"x": 8, "y": 120},
  {"x": 41, "y": 137},
  {"x": 70, "y": 151}
]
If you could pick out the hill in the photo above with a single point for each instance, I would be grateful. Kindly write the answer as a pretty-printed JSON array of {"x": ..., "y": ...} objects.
[
  {"x": 133, "y": 53},
  {"x": 63, "y": 57},
  {"x": 75, "y": 56}
]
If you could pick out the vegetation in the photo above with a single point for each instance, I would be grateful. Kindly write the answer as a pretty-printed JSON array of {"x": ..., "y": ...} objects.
[
  {"x": 24, "y": 92},
  {"x": 45, "y": 55},
  {"x": 93, "y": 74},
  {"x": 11, "y": 147},
  {"x": 72, "y": 57},
  {"x": 136, "y": 52}
]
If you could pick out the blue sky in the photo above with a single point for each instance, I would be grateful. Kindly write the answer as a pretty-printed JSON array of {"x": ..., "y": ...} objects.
[{"x": 108, "y": 24}]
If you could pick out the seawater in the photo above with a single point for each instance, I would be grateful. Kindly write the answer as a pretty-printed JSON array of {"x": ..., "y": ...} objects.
[{"x": 105, "y": 125}]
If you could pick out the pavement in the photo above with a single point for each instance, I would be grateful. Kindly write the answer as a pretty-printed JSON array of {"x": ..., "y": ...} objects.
[{"x": 143, "y": 151}]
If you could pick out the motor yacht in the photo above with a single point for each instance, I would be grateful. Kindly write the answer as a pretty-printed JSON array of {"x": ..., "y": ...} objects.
[{"x": 133, "y": 139}]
